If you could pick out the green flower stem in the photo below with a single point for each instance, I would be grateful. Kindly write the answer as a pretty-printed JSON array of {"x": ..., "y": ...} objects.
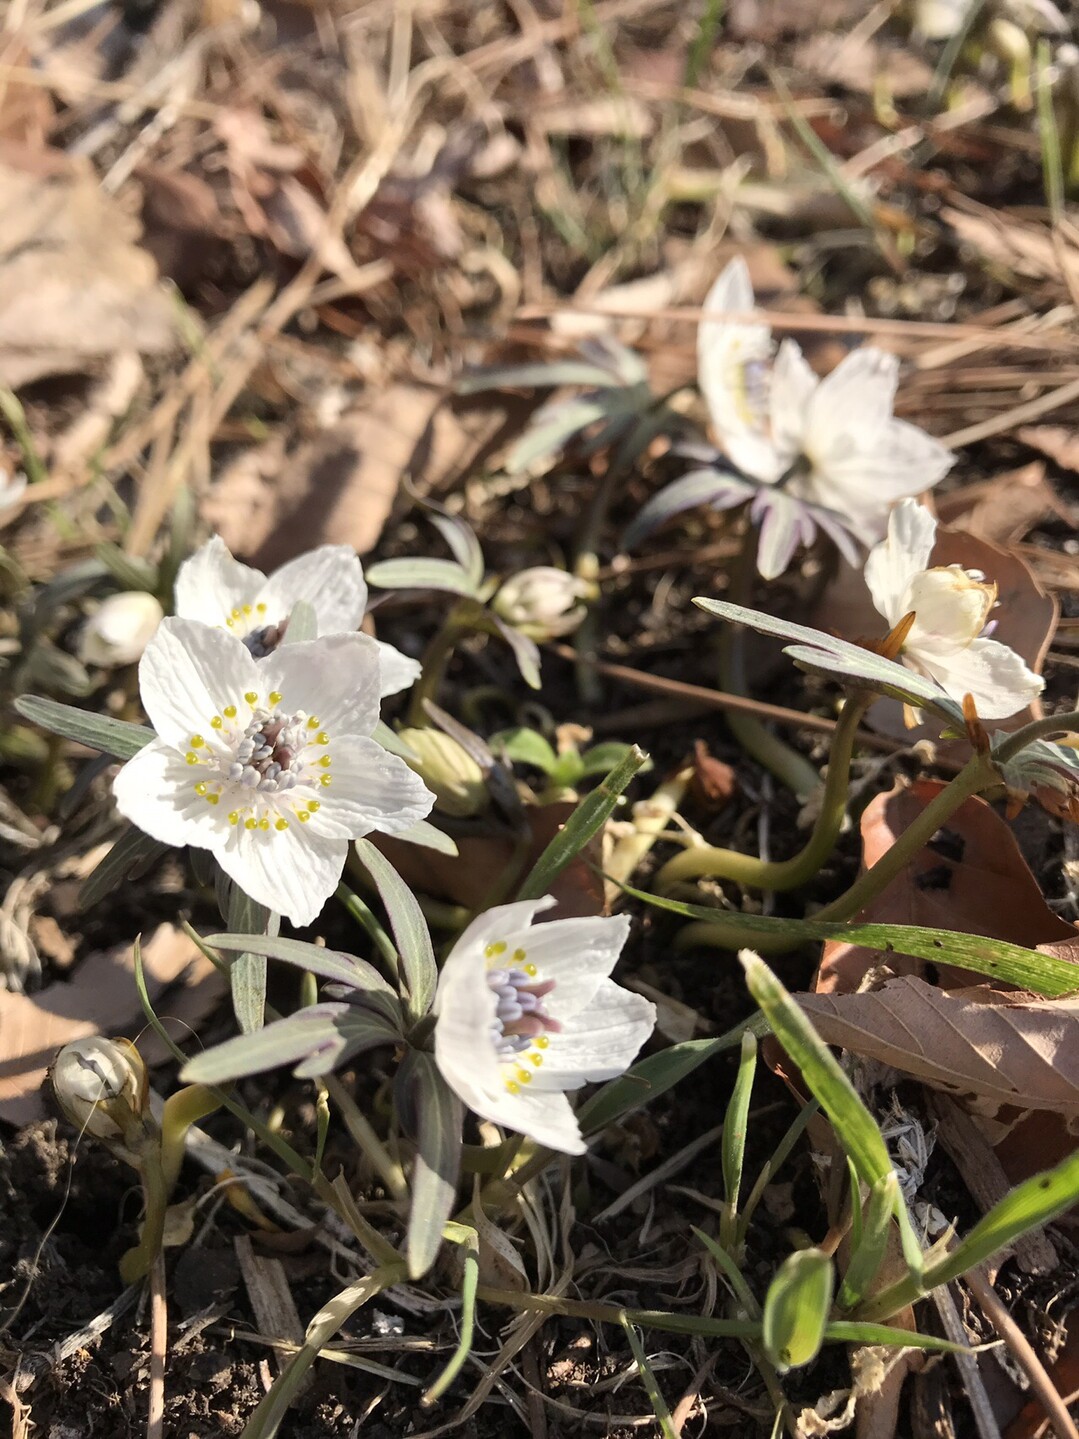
[
  {"x": 800, "y": 868},
  {"x": 1037, "y": 729},
  {"x": 135, "y": 1264},
  {"x": 182, "y": 1109},
  {"x": 456, "y": 625},
  {"x": 365, "y": 1138},
  {"x": 980, "y": 773}
]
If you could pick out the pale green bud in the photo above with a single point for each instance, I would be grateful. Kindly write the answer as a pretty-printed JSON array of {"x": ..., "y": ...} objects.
[
  {"x": 449, "y": 772},
  {"x": 796, "y": 1308},
  {"x": 102, "y": 1086},
  {"x": 542, "y": 602}
]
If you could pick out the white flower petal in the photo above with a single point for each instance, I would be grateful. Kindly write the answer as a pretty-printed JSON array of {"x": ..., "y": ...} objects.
[
  {"x": 189, "y": 673},
  {"x": 546, "y": 1118},
  {"x": 865, "y": 483},
  {"x": 994, "y": 674},
  {"x": 156, "y": 792},
  {"x": 852, "y": 405},
  {"x": 893, "y": 564},
  {"x": 793, "y": 386},
  {"x": 501, "y": 924},
  {"x": 578, "y": 954},
  {"x": 599, "y": 1042},
  {"x": 733, "y": 370},
  {"x": 399, "y": 671},
  {"x": 292, "y": 872},
  {"x": 336, "y": 677},
  {"x": 951, "y": 609},
  {"x": 330, "y": 579},
  {"x": 371, "y": 789},
  {"x": 211, "y": 584}
]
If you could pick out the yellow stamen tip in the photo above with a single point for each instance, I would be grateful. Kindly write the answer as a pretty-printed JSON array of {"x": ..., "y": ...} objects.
[
  {"x": 233, "y": 816},
  {"x": 251, "y": 822},
  {"x": 247, "y": 609},
  {"x": 513, "y": 1086},
  {"x": 324, "y": 762},
  {"x": 264, "y": 823},
  {"x": 213, "y": 799},
  {"x": 313, "y": 722},
  {"x": 192, "y": 757},
  {"x": 322, "y": 737},
  {"x": 314, "y": 804},
  {"x": 251, "y": 696},
  {"x": 201, "y": 787},
  {"x": 523, "y": 1077},
  {"x": 260, "y": 609},
  {"x": 275, "y": 697},
  {"x": 325, "y": 780},
  {"x": 494, "y": 950},
  {"x": 302, "y": 816},
  {"x": 541, "y": 1041},
  {"x": 216, "y": 722},
  {"x": 536, "y": 1059},
  {"x": 230, "y": 711},
  {"x": 197, "y": 741},
  {"x": 519, "y": 956},
  {"x": 281, "y": 824},
  {"x": 530, "y": 970}
]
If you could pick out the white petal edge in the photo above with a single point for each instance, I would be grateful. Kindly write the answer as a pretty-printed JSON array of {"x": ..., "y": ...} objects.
[
  {"x": 398, "y": 671},
  {"x": 996, "y": 676},
  {"x": 793, "y": 386},
  {"x": 892, "y": 565},
  {"x": 292, "y": 872},
  {"x": 578, "y": 954},
  {"x": 155, "y": 791},
  {"x": 601, "y": 1042},
  {"x": 371, "y": 789},
  {"x": 329, "y": 578},
  {"x": 189, "y": 673},
  {"x": 336, "y": 678},
  {"x": 210, "y": 584}
]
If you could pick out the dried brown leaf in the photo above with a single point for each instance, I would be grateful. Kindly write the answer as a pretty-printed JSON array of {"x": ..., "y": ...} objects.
[
  {"x": 74, "y": 285},
  {"x": 1006, "y": 1049},
  {"x": 1006, "y": 508},
  {"x": 1059, "y": 442},
  {"x": 101, "y": 998}
]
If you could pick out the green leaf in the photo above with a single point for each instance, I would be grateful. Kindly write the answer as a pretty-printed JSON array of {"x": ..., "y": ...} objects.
[
  {"x": 867, "y": 1248},
  {"x": 462, "y": 540},
  {"x": 332, "y": 964},
  {"x": 1042, "y": 974},
  {"x": 421, "y": 574},
  {"x": 438, "y": 1159},
  {"x": 410, "y": 932},
  {"x": 247, "y": 973},
  {"x": 823, "y": 654},
  {"x": 649, "y": 1078},
  {"x": 796, "y": 1308},
  {"x": 468, "y": 1239},
  {"x": 428, "y": 836},
  {"x": 131, "y": 849},
  {"x": 130, "y": 571},
  {"x": 734, "y": 1134},
  {"x": 854, "y": 1126},
  {"x": 100, "y": 732},
  {"x": 317, "y": 1039},
  {"x": 532, "y": 377},
  {"x": 589, "y": 817},
  {"x": 525, "y": 746},
  {"x": 525, "y": 651}
]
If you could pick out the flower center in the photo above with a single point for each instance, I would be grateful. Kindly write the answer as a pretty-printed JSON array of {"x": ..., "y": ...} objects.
[
  {"x": 521, "y": 1025},
  {"x": 267, "y": 765},
  {"x": 248, "y": 623}
]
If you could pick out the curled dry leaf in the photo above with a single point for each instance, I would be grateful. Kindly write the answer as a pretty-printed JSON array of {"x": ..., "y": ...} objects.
[
  {"x": 74, "y": 285},
  {"x": 101, "y": 998},
  {"x": 1002, "y": 510}
]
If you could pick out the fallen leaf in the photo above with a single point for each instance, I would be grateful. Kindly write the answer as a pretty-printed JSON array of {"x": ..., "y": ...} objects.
[
  {"x": 1006, "y": 1049},
  {"x": 863, "y": 66},
  {"x": 971, "y": 877},
  {"x": 74, "y": 285},
  {"x": 1025, "y": 248},
  {"x": 100, "y": 998}
]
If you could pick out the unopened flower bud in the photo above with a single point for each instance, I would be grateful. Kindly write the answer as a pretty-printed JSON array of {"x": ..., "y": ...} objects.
[
  {"x": 118, "y": 632},
  {"x": 449, "y": 772},
  {"x": 101, "y": 1085},
  {"x": 543, "y": 602}
]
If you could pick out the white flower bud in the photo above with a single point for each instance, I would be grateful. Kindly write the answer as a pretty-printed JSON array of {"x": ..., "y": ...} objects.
[
  {"x": 119, "y": 631},
  {"x": 101, "y": 1085},
  {"x": 543, "y": 602},
  {"x": 449, "y": 772}
]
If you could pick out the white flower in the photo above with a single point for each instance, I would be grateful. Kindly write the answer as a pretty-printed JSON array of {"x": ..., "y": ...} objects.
[
  {"x": 12, "y": 488},
  {"x": 101, "y": 1086},
  {"x": 213, "y": 587},
  {"x": 267, "y": 763},
  {"x": 118, "y": 632},
  {"x": 951, "y": 608},
  {"x": 832, "y": 443},
  {"x": 542, "y": 602},
  {"x": 527, "y": 1012}
]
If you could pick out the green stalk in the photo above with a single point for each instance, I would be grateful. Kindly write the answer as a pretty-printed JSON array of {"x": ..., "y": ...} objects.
[
  {"x": 435, "y": 659},
  {"x": 800, "y": 868},
  {"x": 135, "y": 1264},
  {"x": 1037, "y": 729},
  {"x": 182, "y": 1109}
]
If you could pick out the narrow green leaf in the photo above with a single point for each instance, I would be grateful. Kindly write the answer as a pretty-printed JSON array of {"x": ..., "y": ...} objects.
[
  {"x": 131, "y": 849},
  {"x": 438, "y": 1159},
  {"x": 130, "y": 571},
  {"x": 796, "y": 1308},
  {"x": 651, "y": 1388},
  {"x": 421, "y": 574},
  {"x": 1042, "y": 974},
  {"x": 532, "y": 377},
  {"x": 410, "y": 931},
  {"x": 867, "y": 1248},
  {"x": 734, "y": 1134},
  {"x": 100, "y": 732},
  {"x": 525, "y": 651},
  {"x": 468, "y": 1239},
  {"x": 461, "y": 538},
  {"x": 525, "y": 746},
  {"x": 317, "y": 1039},
  {"x": 589, "y": 817},
  {"x": 331, "y": 964},
  {"x": 247, "y": 973},
  {"x": 854, "y": 1126}
]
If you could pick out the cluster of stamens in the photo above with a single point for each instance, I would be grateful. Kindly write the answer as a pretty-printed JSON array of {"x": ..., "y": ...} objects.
[
  {"x": 261, "y": 640},
  {"x": 521, "y": 1025},
  {"x": 257, "y": 764}
]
